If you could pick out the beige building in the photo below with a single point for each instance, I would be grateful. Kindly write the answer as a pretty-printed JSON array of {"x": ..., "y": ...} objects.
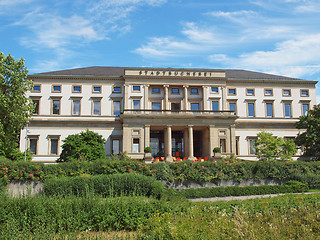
[{"x": 183, "y": 113}]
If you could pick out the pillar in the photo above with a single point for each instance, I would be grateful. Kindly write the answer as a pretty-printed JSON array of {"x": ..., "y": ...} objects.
[
  {"x": 126, "y": 97},
  {"x": 185, "y": 99},
  {"x": 190, "y": 145},
  {"x": 233, "y": 138},
  {"x": 228, "y": 141},
  {"x": 213, "y": 139},
  {"x": 166, "y": 97},
  {"x": 126, "y": 143},
  {"x": 205, "y": 97},
  {"x": 146, "y": 97},
  {"x": 146, "y": 136},
  {"x": 168, "y": 145},
  {"x": 224, "y": 98}
]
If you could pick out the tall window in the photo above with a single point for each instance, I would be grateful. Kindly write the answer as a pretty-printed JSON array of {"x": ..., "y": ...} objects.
[
  {"x": 215, "y": 105},
  {"x": 96, "y": 107},
  {"x": 33, "y": 145},
  {"x": 76, "y": 107},
  {"x": 56, "y": 106},
  {"x": 287, "y": 109},
  {"x": 136, "y": 145},
  {"x": 252, "y": 149},
  {"x": 36, "y": 107},
  {"x": 156, "y": 106},
  {"x": 194, "y": 106},
  {"x": 250, "y": 109},
  {"x": 223, "y": 145},
  {"x": 232, "y": 106},
  {"x": 116, "y": 108},
  {"x": 305, "y": 109},
  {"x": 115, "y": 146},
  {"x": 136, "y": 104},
  {"x": 269, "y": 107},
  {"x": 54, "y": 145}
]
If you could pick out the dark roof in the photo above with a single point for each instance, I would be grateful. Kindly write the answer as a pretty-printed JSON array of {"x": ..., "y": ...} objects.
[{"x": 119, "y": 71}]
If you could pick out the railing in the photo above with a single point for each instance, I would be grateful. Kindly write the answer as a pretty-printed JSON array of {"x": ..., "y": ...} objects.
[{"x": 179, "y": 112}]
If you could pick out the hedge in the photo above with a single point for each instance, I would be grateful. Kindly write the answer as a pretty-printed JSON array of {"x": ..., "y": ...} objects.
[
  {"x": 306, "y": 172},
  {"x": 289, "y": 187},
  {"x": 105, "y": 185}
]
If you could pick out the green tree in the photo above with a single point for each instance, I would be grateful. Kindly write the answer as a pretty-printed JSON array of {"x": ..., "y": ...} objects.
[
  {"x": 269, "y": 147},
  {"x": 85, "y": 146},
  {"x": 309, "y": 139},
  {"x": 15, "y": 108}
]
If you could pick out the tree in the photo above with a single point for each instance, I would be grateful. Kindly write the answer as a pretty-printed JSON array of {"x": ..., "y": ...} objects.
[
  {"x": 274, "y": 148},
  {"x": 309, "y": 139},
  {"x": 15, "y": 108},
  {"x": 85, "y": 146}
]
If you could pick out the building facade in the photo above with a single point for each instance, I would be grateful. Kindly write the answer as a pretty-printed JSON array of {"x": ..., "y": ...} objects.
[{"x": 183, "y": 113}]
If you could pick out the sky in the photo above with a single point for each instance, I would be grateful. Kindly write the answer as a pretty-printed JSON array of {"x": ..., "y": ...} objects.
[{"x": 272, "y": 36}]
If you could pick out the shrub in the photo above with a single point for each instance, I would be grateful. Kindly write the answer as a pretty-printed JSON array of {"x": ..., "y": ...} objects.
[
  {"x": 105, "y": 186},
  {"x": 217, "y": 150},
  {"x": 290, "y": 187},
  {"x": 148, "y": 150}
]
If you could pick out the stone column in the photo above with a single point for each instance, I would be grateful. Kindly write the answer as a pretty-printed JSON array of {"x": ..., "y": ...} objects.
[
  {"x": 126, "y": 143},
  {"x": 146, "y": 136},
  {"x": 168, "y": 145},
  {"x": 212, "y": 139},
  {"x": 146, "y": 97},
  {"x": 185, "y": 143},
  {"x": 126, "y": 97},
  {"x": 190, "y": 145},
  {"x": 233, "y": 138},
  {"x": 166, "y": 97},
  {"x": 205, "y": 97},
  {"x": 185, "y": 99},
  {"x": 228, "y": 141},
  {"x": 224, "y": 98}
]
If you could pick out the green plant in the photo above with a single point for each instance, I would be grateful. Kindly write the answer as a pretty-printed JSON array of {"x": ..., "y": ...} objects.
[
  {"x": 217, "y": 150},
  {"x": 85, "y": 146},
  {"x": 148, "y": 150}
]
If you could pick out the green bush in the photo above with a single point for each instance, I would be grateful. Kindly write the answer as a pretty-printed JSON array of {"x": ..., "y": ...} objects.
[
  {"x": 105, "y": 186},
  {"x": 289, "y": 187}
]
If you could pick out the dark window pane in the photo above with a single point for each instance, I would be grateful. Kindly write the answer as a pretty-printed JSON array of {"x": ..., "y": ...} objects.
[
  {"x": 56, "y": 107},
  {"x": 215, "y": 105},
  {"x": 54, "y": 147}
]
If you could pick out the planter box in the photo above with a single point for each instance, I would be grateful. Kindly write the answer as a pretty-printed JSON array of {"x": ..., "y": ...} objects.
[{"x": 17, "y": 189}]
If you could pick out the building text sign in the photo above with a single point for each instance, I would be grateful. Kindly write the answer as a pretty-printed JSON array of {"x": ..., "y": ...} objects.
[{"x": 175, "y": 73}]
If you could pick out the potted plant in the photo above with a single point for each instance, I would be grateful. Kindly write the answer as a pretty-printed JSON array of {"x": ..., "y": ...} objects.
[
  {"x": 147, "y": 154},
  {"x": 217, "y": 152}
]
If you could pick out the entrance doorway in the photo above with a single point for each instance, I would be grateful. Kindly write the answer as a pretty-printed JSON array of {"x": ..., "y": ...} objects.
[
  {"x": 177, "y": 144},
  {"x": 157, "y": 143},
  {"x": 197, "y": 143}
]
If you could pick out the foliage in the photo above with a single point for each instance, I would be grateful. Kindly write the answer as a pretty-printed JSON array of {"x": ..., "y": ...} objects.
[
  {"x": 217, "y": 150},
  {"x": 105, "y": 186},
  {"x": 148, "y": 150},
  {"x": 273, "y": 148},
  {"x": 291, "y": 187},
  {"x": 15, "y": 108},
  {"x": 309, "y": 139},
  {"x": 85, "y": 146}
]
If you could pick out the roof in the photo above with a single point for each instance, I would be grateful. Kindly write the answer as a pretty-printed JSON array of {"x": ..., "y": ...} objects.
[{"x": 119, "y": 71}]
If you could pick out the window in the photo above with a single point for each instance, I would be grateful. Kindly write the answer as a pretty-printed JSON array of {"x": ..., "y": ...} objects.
[
  {"x": 33, "y": 144},
  {"x": 56, "y": 88},
  {"x": 214, "y": 89},
  {"x": 36, "y": 88},
  {"x": 250, "y": 92},
  {"x": 194, "y": 90},
  {"x": 175, "y": 107},
  {"x": 304, "y": 93},
  {"x": 55, "y": 107},
  {"x": 156, "y": 106},
  {"x": 116, "y": 90},
  {"x": 155, "y": 90},
  {"x": 232, "y": 106},
  {"x": 136, "y": 104},
  {"x": 268, "y": 92},
  {"x": 287, "y": 109},
  {"x": 194, "y": 106},
  {"x": 175, "y": 90},
  {"x": 115, "y": 146},
  {"x": 96, "y": 107},
  {"x": 36, "y": 106},
  {"x": 215, "y": 105},
  {"x": 286, "y": 92},
  {"x": 223, "y": 145},
  {"x": 76, "y": 89},
  {"x": 305, "y": 109},
  {"x": 136, "y": 88},
  {"x": 269, "y": 109},
  {"x": 96, "y": 89},
  {"x": 252, "y": 149},
  {"x": 54, "y": 145},
  {"x": 250, "y": 109},
  {"x": 76, "y": 107},
  {"x": 231, "y": 91},
  {"x": 136, "y": 145},
  {"x": 116, "y": 108}
]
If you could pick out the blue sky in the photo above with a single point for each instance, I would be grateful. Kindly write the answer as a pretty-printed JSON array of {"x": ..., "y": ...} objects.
[{"x": 273, "y": 36}]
